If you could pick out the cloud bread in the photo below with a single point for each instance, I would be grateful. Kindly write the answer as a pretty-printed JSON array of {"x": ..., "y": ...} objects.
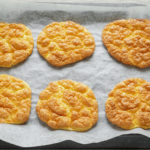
[
  {"x": 68, "y": 105},
  {"x": 16, "y": 44},
  {"x": 62, "y": 43},
  {"x": 128, "y": 104},
  {"x": 15, "y": 100},
  {"x": 128, "y": 41}
]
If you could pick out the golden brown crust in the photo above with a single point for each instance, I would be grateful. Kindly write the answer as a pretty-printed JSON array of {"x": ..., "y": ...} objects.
[
  {"x": 68, "y": 105},
  {"x": 16, "y": 44},
  {"x": 128, "y": 41},
  {"x": 128, "y": 104},
  {"x": 15, "y": 100},
  {"x": 62, "y": 43}
]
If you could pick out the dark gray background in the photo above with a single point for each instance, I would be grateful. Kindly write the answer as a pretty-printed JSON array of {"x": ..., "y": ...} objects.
[{"x": 124, "y": 141}]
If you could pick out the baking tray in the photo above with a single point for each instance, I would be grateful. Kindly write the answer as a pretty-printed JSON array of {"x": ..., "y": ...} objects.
[{"x": 98, "y": 9}]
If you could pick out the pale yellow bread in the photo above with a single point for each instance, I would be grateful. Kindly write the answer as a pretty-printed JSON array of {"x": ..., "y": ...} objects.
[
  {"x": 15, "y": 100},
  {"x": 16, "y": 44},
  {"x": 128, "y": 41},
  {"x": 62, "y": 43},
  {"x": 68, "y": 105},
  {"x": 128, "y": 104}
]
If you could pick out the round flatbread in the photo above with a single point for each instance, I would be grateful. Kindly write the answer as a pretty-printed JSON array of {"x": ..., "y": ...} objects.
[
  {"x": 68, "y": 105},
  {"x": 16, "y": 44},
  {"x": 15, "y": 100},
  {"x": 128, "y": 104},
  {"x": 62, "y": 43},
  {"x": 128, "y": 41}
]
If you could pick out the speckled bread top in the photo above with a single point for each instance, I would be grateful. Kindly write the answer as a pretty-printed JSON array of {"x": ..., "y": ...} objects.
[
  {"x": 128, "y": 104},
  {"x": 62, "y": 43},
  {"x": 128, "y": 41},
  {"x": 15, "y": 100},
  {"x": 68, "y": 105},
  {"x": 16, "y": 44}
]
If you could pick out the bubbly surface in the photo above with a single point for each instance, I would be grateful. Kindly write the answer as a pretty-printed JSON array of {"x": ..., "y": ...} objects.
[
  {"x": 128, "y": 41},
  {"x": 62, "y": 43},
  {"x": 128, "y": 104},
  {"x": 68, "y": 105},
  {"x": 16, "y": 44},
  {"x": 15, "y": 100}
]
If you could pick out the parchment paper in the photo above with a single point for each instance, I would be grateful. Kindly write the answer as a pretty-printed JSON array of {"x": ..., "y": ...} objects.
[{"x": 100, "y": 72}]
